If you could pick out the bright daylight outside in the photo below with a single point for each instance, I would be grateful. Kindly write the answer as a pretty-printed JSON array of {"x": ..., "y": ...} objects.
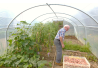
[{"x": 48, "y": 35}]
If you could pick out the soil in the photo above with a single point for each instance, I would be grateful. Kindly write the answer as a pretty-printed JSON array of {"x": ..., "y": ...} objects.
[
  {"x": 52, "y": 56},
  {"x": 49, "y": 58}
]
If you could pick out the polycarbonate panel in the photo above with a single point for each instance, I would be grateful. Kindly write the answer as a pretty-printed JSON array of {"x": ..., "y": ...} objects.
[
  {"x": 85, "y": 19},
  {"x": 92, "y": 38},
  {"x": 2, "y": 40},
  {"x": 81, "y": 34},
  {"x": 71, "y": 30}
]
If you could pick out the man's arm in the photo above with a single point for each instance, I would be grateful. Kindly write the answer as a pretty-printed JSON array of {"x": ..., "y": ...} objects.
[{"x": 61, "y": 40}]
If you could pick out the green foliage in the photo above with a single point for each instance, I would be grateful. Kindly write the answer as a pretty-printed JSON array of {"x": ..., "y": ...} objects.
[
  {"x": 85, "y": 39},
  {"x": 50, "y": 64},
  {"x": 84, "y": 48},
  {"x": 26, "y": 42},
  {"x": 70, "y": 46},
  {"x": 20, "y": 61},
  {"x": 22, "y": 42},
  {"x": 92, "y": 58},
  {"x": 44, "y": 34}
]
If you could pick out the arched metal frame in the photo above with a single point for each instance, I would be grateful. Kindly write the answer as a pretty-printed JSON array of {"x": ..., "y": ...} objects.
[
  {"x": 57, "y": 13},
  {"x": 45, "y": 5},
  {"x": 76, "y": 9},
  {"x": 61, "y": 17},
  {"x": 64, "y": 14},
  {"x": 17, "y": 16}
]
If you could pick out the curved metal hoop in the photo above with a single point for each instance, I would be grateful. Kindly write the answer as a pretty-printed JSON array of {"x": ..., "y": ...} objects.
[
  {"x": 58, "y": 17},
  {"x": 76, "y": 9},
  {"x": 57, "y": 13},
  {"x": 43, "y": 5}
]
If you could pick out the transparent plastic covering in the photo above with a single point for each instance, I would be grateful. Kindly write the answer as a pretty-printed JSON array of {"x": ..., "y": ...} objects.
[
  {"x": 82, "y": 18},
  {"x": 71, "y": 30}
]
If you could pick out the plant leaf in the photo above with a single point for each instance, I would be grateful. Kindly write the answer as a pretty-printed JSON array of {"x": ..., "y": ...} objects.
[
  {"x": 26, "y": 60},
  {"x": 17, "y": 62},
  {"x": 13, "y": 57},
  {"x": 41, "y": 63},
  {"x": 1, "y": 63},
  {"x": 19, "y": 56},
  {"x": 25, "y": 66},
  {"x": 8, "y": 61},
  {"x": 30, "y": 65}
]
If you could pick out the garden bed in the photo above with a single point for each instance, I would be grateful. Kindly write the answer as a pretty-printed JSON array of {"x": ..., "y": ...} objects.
[
  {"x": 50, "y": 58},
  {"x": 26, "y": 48},
  {"x": 93, "y": 64},
  {"x": 90, "y": 57}
]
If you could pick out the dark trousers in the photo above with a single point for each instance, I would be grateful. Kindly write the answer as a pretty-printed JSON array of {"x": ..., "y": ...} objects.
[{"x": 58, "y": 50}]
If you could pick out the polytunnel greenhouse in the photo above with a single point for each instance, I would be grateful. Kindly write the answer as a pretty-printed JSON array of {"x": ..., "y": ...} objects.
[{"x": 28, "y": 31}]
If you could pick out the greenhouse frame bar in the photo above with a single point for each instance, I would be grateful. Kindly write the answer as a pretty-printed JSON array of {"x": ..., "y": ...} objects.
[{"x": 80, "y": 23}]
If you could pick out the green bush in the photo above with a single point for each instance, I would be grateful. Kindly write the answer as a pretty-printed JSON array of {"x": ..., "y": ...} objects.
[{"x": 25, "y": 44}]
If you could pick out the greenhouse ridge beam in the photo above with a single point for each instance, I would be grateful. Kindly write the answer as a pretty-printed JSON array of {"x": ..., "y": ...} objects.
[{"x": 52, "y": 10}]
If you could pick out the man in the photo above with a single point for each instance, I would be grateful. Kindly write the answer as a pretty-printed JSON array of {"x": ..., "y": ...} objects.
[{"x": 58, "y": 41}]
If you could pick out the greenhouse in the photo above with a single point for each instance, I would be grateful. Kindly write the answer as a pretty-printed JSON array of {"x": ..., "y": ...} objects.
[{"x": 27, "y": 33}]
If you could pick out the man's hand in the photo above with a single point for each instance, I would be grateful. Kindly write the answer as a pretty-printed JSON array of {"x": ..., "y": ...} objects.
[{"x": 63, "y": 45}]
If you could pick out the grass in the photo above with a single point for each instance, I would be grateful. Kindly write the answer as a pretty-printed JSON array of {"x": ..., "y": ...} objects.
[{"x": 70, "y": 46}]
